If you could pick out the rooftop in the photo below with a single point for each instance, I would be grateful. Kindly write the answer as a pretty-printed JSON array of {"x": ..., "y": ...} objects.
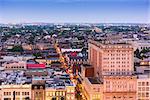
[
  {"x": 56, "y": 78},
  {"x": 107, "y": 44},
  {"x": 94, "y": 80}
]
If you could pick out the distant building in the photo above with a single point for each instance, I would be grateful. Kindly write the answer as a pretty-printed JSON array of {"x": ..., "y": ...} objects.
[
  {"x": 140, "y": 44},
  {"x": 14, "y": 65}
]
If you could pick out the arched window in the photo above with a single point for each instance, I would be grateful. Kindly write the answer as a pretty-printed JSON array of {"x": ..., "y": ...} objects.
[
  {"x": 41, "y": 87},
  {"x": 35, "y": 87}
]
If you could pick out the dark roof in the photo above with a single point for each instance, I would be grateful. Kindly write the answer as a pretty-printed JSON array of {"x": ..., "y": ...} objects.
[
  {"x": 87, "y": 65},
  {"x": 94, "y": 80}
]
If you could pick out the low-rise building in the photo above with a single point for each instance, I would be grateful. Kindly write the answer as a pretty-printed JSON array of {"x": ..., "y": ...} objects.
[
  {"x": 16, "y": 92},
  {"x": 143, "y": 87},
  {"x": 120, "y": 87},
  {"x": 15, "y": 86},
  {"x": 14, "y": 65},
  {"x": 92, "y": 88},
  {"x": 38, "y": 91}
]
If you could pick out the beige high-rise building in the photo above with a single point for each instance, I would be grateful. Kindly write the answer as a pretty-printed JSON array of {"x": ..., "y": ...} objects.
[
  {"x": 113, "y": 63},
  {"x": 111, "y": 59}
]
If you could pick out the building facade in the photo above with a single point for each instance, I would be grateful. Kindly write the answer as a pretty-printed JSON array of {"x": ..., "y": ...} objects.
[
  {"x": 119, "y": 88},
  {"x": 16, "y": 92},
  {"x": 14, "y": 65},
  {"x": 111, "y": 59},
  {"x": 143, "y": 87}
]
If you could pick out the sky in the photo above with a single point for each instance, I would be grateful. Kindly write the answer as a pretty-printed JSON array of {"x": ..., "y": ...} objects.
[{"x": 75, "y": 11}]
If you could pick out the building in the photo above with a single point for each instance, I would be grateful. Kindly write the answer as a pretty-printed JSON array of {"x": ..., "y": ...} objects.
[
  {"x": 59, "y": 86},
  {"x": 87, "y": 70},
  {"x": 16, "y": 92},
  {"x": 111, "y": 59},
  {"x": 93, "y": 88},
  {"x": 114, "y": 65},
  {"x": 119, "y": 88},
  {"x": 14, "y": 86},
  {"x": 76, "y": 58},
  {"x": 51, "y": 93},
  {"x": 14, "y": 65},
  {"x": 38, "y": 46},
  {"x": 60, "y": 92},
  {"x": 38, "y": 91},
  {"x": 140, "y": 44},
  {"x": 143, "y": 81},
  {"x": 143, "y": 87}
]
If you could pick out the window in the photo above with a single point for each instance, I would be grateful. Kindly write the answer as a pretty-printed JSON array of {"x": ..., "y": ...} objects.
[
  {"x": 35, "y": 87},
  {"x": 147, "y": 88},
  {"x": 143, "y": 83},
  {"x": 147, "y": 94},
  {"x": 7, "y": 93},
  {"x": 147, "y": 83},
  {"x": 22, "y": 93},
  {"x": 139, "y": 89},
  {"x": 17, "y": 93},
  {"x": 139, "y": 83},
  {"x": 41, "y": 87}
]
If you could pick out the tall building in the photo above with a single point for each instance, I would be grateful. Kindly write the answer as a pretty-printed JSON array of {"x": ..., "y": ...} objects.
[
  {"x": 114, "y": 65},
  {"x": 111, "y": 59}
]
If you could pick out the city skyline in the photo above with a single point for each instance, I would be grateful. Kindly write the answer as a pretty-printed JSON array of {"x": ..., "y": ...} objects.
[{"x": 75, "y": 11}]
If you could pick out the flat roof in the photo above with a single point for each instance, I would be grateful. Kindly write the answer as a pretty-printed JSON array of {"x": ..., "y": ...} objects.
[{"x": 94, "y": 80}]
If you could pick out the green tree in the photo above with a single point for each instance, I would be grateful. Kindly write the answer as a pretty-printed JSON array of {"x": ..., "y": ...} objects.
[
  {"x": 17, "y": 48},
  {"x": 137, "y": 53},
  {"x": 37, "y": 55}
]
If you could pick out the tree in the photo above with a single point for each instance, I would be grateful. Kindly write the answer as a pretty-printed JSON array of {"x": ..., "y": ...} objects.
[
  {"x": 137, "y": 53},
  {"x": 145, "y": 50},
  {"x": 17, "y": 48},
  {"x": 37, "y": 55}
]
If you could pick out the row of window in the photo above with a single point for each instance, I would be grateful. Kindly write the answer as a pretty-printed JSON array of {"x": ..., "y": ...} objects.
[
  {"x": 116, "y": 62},
  {"x": 117, "y": 58},
  {"x": 118, "y": 51},
  {"x": 56, "y": 93},
  {"x": 116, "y": 70},
  {"x": 143, "y": 83},
  {"x": 119, "y": 97},
  {"x": 126, "y": 65},
  {"x": 15, "y": 67},
  {"x": 16, "y": 93},
  {"x": 143, "y": 88},
  {"x": 117, "y": 73},
  {"x": 120, "y": 88},
  {"x": 146, "y": 94}
]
